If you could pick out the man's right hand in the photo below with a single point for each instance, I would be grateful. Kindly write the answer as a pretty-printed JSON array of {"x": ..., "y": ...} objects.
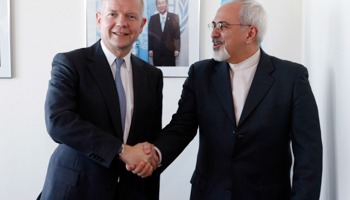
[
  {"x": 150, "y": 53},
  {"x": 140, "y": 168},
  {"x": 134, "y": 155}
]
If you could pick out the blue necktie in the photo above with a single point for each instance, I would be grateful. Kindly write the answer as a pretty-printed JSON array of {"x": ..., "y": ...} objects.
[
  {"x": 163, "y": 23},
  {"x": 121, "y": 92}
]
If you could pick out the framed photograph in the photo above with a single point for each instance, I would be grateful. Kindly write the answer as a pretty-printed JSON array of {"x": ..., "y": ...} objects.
[
  {"x": 5, "y": 44},
  {"x": 170, "y": 38}
]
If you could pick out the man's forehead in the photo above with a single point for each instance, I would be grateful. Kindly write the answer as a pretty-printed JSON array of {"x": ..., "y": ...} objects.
[
  {"x": 161, "y": 1},
  {"x": 225, "y": 18},
  {"x": 115, "y": 4},
  {"x": 230, "y": 9},
  {"x": 227, "y": 14}
]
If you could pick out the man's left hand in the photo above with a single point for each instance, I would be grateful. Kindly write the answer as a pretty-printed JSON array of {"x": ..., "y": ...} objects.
[{"x": 141, "y": 169}]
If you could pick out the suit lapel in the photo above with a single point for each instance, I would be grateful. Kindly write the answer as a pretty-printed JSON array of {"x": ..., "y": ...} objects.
[
  {"x": 102, "y": 74},
  {"x": 222, "y": 84},
  {"x": 159, "y": 25},
  {"x": 261, "y": 84},
  {"x": 167, "y": 22},
  {"x": 140, "y": 91}
]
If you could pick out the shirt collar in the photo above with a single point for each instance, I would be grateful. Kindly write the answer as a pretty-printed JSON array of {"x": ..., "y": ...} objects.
[
  {"x": 111, "y": 57},
  {"x": 247, "y": 63},
  {"x": 165, "y": 14}
]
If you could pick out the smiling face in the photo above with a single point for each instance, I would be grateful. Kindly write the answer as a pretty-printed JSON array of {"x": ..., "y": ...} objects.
[
  {"x": 162, "y": 6},
  {"x": 233, "y": 38},
  {"x": 120, "y": 23}
]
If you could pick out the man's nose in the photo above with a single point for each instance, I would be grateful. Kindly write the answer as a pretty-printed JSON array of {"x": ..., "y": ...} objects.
[
  {"x": 121, "y": 21},
  {"x": 215, "y": 33}
]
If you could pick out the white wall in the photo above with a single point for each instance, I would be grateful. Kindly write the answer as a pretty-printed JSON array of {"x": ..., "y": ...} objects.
[
  {"x": 326, "y": 53},
  {"x": 42, "y": 28}
]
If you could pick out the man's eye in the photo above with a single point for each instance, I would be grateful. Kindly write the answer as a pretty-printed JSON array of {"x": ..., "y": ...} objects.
[
  {"x": 132, "y": 17},
  {"x": 112, "y": 14},
  {"x": 222, "y": 26}
]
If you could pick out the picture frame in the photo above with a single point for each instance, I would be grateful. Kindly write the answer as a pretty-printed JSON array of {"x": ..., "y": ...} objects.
[
  {"x": 5, "y": 42},
  {"x": 188, "y": 12}
]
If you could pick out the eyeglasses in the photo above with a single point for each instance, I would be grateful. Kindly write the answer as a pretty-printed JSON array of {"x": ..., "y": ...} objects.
[{"x": 222, "y": 26}]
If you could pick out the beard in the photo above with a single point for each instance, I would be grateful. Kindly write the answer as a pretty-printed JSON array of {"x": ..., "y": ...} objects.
[{"x": 220, "y": 53}]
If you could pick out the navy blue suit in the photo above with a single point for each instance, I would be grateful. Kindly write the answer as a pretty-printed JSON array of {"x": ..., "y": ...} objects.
[
  {"x": 250, "y": 161},
  {"x": 82, "y": 114}
]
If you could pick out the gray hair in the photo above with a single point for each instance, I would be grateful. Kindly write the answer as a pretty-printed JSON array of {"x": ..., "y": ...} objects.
[{"x": 253, "y": 13}]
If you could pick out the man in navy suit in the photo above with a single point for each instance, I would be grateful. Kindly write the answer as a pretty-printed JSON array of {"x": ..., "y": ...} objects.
[
  {"x": 254, "y": 111},
  {"x": 100, "y": 103},
  {"x": 164, "y": 36}
]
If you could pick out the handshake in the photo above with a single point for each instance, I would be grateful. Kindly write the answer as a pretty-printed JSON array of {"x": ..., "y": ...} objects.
[{"x": 142, "y": 159}]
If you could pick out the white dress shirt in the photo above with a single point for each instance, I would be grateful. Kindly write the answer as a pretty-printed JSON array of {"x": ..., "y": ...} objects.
[
  {"x": 127, "y": 80},
  {"x": 242, "y": 75}
]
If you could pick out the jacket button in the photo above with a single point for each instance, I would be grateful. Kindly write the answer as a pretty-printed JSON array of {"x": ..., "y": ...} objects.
[
  {"x": 233, "y": 133},
  {"x": 228, "y": 189}
]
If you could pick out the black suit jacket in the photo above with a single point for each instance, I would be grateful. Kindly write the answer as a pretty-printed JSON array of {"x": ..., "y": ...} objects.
[
  {"x": 82, "y": 115},
  {"x": 163, "y": 44},
  {"x": 252, "y": 160}
]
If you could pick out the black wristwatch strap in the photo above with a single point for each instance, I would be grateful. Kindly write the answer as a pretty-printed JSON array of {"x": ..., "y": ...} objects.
[{"x": 121, "y": 150}]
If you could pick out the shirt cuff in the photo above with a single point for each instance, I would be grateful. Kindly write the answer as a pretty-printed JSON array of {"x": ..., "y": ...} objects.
[{"x": 160, "y": 156}]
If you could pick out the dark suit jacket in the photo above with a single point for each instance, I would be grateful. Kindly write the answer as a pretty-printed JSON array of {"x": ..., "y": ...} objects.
[
  {"x": 251, "y": 161},
  {"x": 163, "y": 44},
  {"x": 82, "y": 115}
]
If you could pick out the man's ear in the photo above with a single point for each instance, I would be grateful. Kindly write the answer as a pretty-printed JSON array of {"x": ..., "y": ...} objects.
[
  {"x": 252, "y": 32},
  {"x": 98, "y": 20},
  {"x": 143, "y": 22}
]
